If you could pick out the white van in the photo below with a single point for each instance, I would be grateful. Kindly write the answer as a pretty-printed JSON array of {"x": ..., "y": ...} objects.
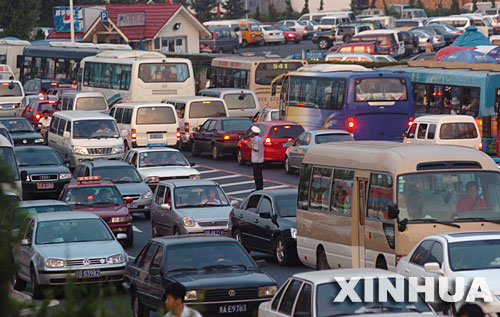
[
  {"x": 229, "y": 23},
  {"x": 397, "y": 36},
  {"x": 9, "y": 159},
  {"x": 6, "y": 72},
  {"x": 330, "y": 22},
  {"x": 85, "y": 135},
  {"x": 461, "y": 22},
  {"x": 82, "y": 100},
  {"x": 146, "y": 124},
  {"x": 11, "y": 97},
  {"x": 239, "y": 102},
  {"x": 413, "y": 14},
  {"x": 193, "y": 111},
  {"x": 444, "y": 129}
]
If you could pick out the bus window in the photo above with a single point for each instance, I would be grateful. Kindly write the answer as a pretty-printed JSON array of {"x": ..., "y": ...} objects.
[
  {"x": 320, "y": 188},
  {"x": 303, "y": 193},
  {"x": 266, "y": 72},
  {"x": 380, "y": 89},
  {"x": 164, "y": 72},
  {"x": 341, "y": 191},
  {"x": 379, "y": 196}
]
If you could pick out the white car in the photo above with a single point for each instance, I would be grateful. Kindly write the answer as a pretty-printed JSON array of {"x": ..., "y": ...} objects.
[
  {"x": 313, "y": 293},
  {"x": 272, "y": 35},
  {"x": 460, "y": 254}
]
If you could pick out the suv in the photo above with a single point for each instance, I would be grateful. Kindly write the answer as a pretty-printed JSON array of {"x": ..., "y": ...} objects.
[
  {"x": 87, "y": 101},
  {"x": 125, "y": 177},
  {"x": 11, "y": 97},
  {"x": 359, "y": 47},
  {"x": 328, "y": 38},
  {"x": 298, "y": 26}
]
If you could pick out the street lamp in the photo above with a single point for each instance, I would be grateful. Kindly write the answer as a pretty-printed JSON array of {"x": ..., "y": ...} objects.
[{"x": 71, "y": 21}]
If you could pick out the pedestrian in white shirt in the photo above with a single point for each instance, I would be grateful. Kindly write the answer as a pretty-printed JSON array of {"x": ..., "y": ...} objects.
[
  {"x": 174, "y": 302},
  {"x": 257, "y": 147}
]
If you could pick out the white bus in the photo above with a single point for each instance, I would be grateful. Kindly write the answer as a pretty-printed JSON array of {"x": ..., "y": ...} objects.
[
  {"x": 9, "y": 51},
  {"x": 136, "y": 76}
]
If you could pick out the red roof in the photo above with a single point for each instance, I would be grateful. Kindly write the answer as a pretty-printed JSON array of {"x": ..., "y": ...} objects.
[{"x": 62, "y": 35}]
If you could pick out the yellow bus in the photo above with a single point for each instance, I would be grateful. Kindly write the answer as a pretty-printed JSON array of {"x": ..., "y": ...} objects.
[
  {"x": 254, "y": 73},
  {"x": 368, "y": 203}
]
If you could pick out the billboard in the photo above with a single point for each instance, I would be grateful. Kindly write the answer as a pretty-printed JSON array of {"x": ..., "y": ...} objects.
[
  {"x": 62, "y": 19},
  {"x": 131, "y": 19}
]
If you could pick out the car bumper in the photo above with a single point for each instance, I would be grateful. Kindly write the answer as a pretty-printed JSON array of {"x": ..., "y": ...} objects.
[
  {"x": 142, "y": 205},
  {"x": 247, "y": 307},
  {"x": 224, "y": 230},
  {"x": 117, "y": 228},
  {"x": 77, "y": 158},
  {"x": 30, "y": 188},
  {"x": 170, "y": 141},
  {"x": 61, "y": 276},
  {"x": 227, "y": 147}
]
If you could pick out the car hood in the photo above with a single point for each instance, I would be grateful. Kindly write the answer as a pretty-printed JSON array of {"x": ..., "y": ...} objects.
[
  {"x": 45, "y": 169},
  {"x": 81, "y": 250},
  {"x": 221, "y": 279},
  {"x": 206, "y": 213},
  {"x": 133, "y": 188},
  {"x": 167, "y": 171},
  {"x": 25, "y": 135},
  {"x": 104, "y": 211},
  {"x": 491, "y": 277}
]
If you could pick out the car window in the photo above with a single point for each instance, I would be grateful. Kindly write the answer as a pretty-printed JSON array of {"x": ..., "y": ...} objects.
[
  {"x": 212, "y": 125},
  {"x": 118, "y": 115},
  {"x": 422, "y": 253},
  {"x": 303, "y": 306},
  {"x": 148, "y": 257},
  {"x": 411, "y": 132},
  {"x": 29, "y": 232},
  {"x": 205, "y": 125},
  {"x": 158, "y": 258},
  {"x": 431, "y": 132},
  {"x": 127, "y": 116},
  {"x": 266, "y": 205},
  {"x": 253, "y": 202},
  {"x": 286, "y": 304},
  {"x": 422, "y": 129},
  {"x": 62, "y": 126},
  {"x": 138, "y": 259},
  {"x": 133, "y": 161},
  {"x": 436, "y": 254},
  {"x": 54, "y": 124},
  {"x": 168, "y": 196},
  {"x": 277, "y": 298},
  {"x": 160, "y": 193}
]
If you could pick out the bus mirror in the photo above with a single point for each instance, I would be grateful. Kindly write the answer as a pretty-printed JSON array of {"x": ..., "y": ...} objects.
[{"x": 392, "y": 211}]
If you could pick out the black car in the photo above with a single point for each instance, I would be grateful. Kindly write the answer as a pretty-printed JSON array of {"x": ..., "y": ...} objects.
[
  {"x": 43, "y": 174},
  {"x": 219, "y": 275},
  {"x": 219, "y": 136},
  {"x": 439, "y": 30},
  {"x": 21, "y": 131},
  {"x": 38, "y": 85},
  {"x": 265, "y": 222},
  {"x": 411, "y": 42}
]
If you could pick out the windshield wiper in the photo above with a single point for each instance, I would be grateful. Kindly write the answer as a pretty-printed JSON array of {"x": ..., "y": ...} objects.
[
  {"x": 497, "y": 221},
  {"x": 189, "y": 269},
  {"x": 189, "y": 206},
  {"x": 436, "y": 221},
  {"x": 216, "y": 266}
]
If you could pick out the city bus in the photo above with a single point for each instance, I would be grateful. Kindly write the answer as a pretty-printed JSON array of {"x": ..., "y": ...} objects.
[
  {"x": 367, "y": 203},
  {"x": 370, "y": 105},
  {"x": 254, "y": 73},
  {"x": 136, "y": 76},
  {"x": 9, "y": 52},
  {"x": 475, "y": 88}
]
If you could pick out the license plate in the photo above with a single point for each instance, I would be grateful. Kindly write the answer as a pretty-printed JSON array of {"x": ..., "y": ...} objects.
[
  {"x": 230, "y": 309},
  {"x": 7, "y": 106},
  {"x": 88, "y": 273},
  {"x": 156, "y": 136},
  {"x": 285, "y": 145},
  {"x": 156, "y": 145},
  {"x": 45, "y": 185},
  {"x": 132, "y": 205},
  {"x": 219, "y": 232}
]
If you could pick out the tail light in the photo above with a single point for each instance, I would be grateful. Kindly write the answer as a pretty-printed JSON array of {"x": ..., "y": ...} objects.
[
  {"x": 479, "y": 123},
  {"x": 178, "y": 134},
  {"x": 227, "y": 137},
  {"x": 52, "y": 102},
  {"x": 38, "y": 116},
  {"x": 410, "y": 122},
  {"x": 480, "y": 146},
  {"x": 133, "y": 134},
  {"x": 268, "y": 141},
  {"x": 398, "y": 258},
  {"x": 350, "y": 124},
  {"x": 186, "y": 127},
  {"x": 270, "y": 34}
]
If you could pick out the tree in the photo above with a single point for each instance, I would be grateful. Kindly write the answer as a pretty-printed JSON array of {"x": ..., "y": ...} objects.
[
  {"x": 257, "y": 15},
  {"x": 372, "y": 5},
  {"x": 39, "y": 35},
  {"x": 321, "y": 5},
  {"x": 289, "y": 13},
  {"x": 203, "y": 9},
  {"x": 19, "y": 17},
  {"x": 455, "y": 7},
  {"x": 234, "y": 9},
  {"x": 474, "y": 5},
  {"x": 354, "y": 5},
  {"x": 420, "y": 5},
  {"x": 493, "y": 4},
  {"x": 305, "y": 9},
  {"x": 411, "y": 3}
]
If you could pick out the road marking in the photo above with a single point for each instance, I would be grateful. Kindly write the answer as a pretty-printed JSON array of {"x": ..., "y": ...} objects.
[
  {"x": 221, "y": 177},
  {"x": 134, "y": 228},
  {"x": 251, "y": 190},
  {"x": 235, "y": 184},
  {"x": 209, "y": 171}
]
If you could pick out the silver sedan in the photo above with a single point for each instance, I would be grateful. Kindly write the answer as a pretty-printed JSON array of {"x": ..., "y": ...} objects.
[
  {"x": 58, "y": 245},
  {"x": 296, "y": 151}
]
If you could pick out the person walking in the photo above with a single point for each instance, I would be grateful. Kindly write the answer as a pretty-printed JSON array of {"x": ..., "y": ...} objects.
[
  {"x": 428, "y": 46},
  {"x": 257, "y": 146},
  {"x": 174, "y": 302}
]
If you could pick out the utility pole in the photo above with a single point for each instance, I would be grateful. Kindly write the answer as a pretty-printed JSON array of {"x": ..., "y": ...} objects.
[
  {"x": 246, "y": 9},
  {"x": 72, "y": 21}
]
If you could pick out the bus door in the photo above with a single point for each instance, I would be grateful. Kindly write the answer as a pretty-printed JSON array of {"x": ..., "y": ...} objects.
[{"x": 358, "y": 221}]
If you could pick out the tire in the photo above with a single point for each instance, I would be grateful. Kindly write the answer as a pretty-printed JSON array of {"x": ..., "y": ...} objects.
[
  {"x": 234, "y": 50},
  {"x": 244, "y": 43},
  {"x": 239, "y": 158},
  {"x": 147, "y": 214},
  {"x": 130, "y": 239},
  {"x": 18, "y": 283},
  {"x": 288, "y": 167},
  {"x": 154, "y": 230},
  {"x": 138, "y": 309},
  {"x": 262, "y": 43},
  {"x": 237, "y": 236},
  {"x": 37, "y": 288},
  {"x": 280, "y": 251},
  {"x": 126, "y": 147},
  {"x": 215, "y": 152},
  {"x": 322, "y": 261},
  {"x": 323, "y": 44},
  {"x": 194, "y": 150}
]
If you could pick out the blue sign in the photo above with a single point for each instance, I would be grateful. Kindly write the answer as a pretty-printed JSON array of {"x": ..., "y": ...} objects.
[
  {"x": 315, "y": 55},
  {"x": 104, "y": 16},
  {"x": 62, "y": 19}
]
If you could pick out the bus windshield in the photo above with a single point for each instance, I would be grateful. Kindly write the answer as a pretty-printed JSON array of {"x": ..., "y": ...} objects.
[
  {"x": 449, "y": 196},
  {"x": 163, "y": 72},
  {"x": 10, "y": 90},
  {"x": 266, "y": 72},
  {"x": 381, "y": 89}
]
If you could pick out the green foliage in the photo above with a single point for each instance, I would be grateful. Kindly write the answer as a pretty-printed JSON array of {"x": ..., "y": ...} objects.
[
  {"x": 18, "y": 17},
  {"x": 289, "y": 13},
  {"x": 274, "y": 16},
  {"x": 411, "y": 3},
  {"x": 419, "y": 5},
  {"x": 305, "y": 9},
  {"x": 455, "y": 7},
  {"x": 321, "y": 5},
  {"x": 365, "y": 64},
  {"x": 234, "y": 9},
  {"x": 40, "y": 35},
  {"x": 203, "y": 9}
]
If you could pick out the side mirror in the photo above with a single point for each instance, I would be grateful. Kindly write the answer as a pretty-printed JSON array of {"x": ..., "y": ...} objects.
[
  {"x": 66, "y": 135},
  {"x": 392, "y": 211},
  {"x": 265, "y": 215},
  {"x": 260, "y": 263},
  {"x": 24, "y": 175},
  {"x": 155, "y": 270},
  {"x": 147, "y": 179},
  {"x": 129, "y": 200},
  {"x": 165, "y": 206},
  {"x": 192, "y": 164},
  {"x": 234, "y": 203},
  {"x": 433, "y": 267},
  {"x": 121, "y": 236},
  {"x": 25, "y": 242}
]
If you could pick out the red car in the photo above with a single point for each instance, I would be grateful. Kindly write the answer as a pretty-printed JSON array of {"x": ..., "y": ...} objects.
[
  {"x": 276, "y": 136},
  {"x": 33, "y": 111},
  {"x": 290, "y": 35},
  {"x": 62, "y": 89},
  {"x": 89, "y": 193},
  {"x": 359, "y": 47}
]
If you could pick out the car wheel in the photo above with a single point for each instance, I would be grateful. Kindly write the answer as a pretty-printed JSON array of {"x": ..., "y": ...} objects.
[
  {"x": 215, "y": 152},
  {"x": 18, "y": 283},
  {"x": 280, "y": 251},
  {"x": 323, "y": 44},
  {"x": 237, "y": 237},
  {"x": 147, "y": 214},
  {"x": 37, "y": 288},
  {"x": 126, "y": 147},
  {"x": 322, "y": 261},
  {"x": 239, "y": 158},
  {"x": 138, "y": 309},
  {"x": 194, "y": 149},
  {"x": 288, "y": 168},
  {"x": 154, "y": 230},
  {"x": 130, "y": 239},
  {"x": 244, "y": 43}
]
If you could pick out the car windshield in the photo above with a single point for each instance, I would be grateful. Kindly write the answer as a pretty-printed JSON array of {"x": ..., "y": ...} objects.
[
  {"x": 42, "y": 209},
  {"x": 90, "y": 196},
  {"x": 118, "y": 174},
  {"x": 239, "y": 101},
  {"x": 474, "y": 255},
  {"x": 268, "y": 28},
  {"x": 327, "y": 306},
  {"x": 91, "y": 103},
  {"x": 254, "y": 27},
  {"x": 5, "y": 133},
  {"x": 449, "y": 196},
  {"x": 8, "y": 158},
  {"x": 17, "y": 125},
  {"x": 72, "y": 230},
  {"x": 282, "y": 27},
  {"x": 199, "y": 196},
  {"x": 95, "y": 129},
  {"x": 155, "y": 115},
  {"x": 36, "y": 157},
  {"x": 286, "y": 205},
  {"x": 207, "y": 255},
  {"x": 162, "y": 158},
  {"x": 332, "y": 137},
  {"x": 232, "y": 124},
  {"x": 10, "y": 90},
  {"x": 285, "y": 131}
]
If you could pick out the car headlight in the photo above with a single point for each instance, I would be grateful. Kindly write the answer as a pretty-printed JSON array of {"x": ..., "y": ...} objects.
[
  {"x": 293, "y": 233},
  {"x": 154, "y": 179},
  {"x": 116, "y": 259},
  {"x": 51, "y": 262},
  {"x": 120, "y": 219},
  {"x": 191, "y": 295},
  {"x": 80, "y": 150},
  {"x": 118, "y": 150},
  {"x": 188, "y": 222},
  {"x": 147, "y": 195},
  {"x": 195, "y": 176},
  {"x": 253, "y": 35},
  {"x": 268, "y": 291},
  {"x": 39, "y": 140},
  {"x": 64, "y": 176}
]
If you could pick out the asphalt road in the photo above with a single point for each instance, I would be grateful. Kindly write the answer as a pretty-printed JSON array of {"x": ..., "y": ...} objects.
[{"x": 282, "y": 50}]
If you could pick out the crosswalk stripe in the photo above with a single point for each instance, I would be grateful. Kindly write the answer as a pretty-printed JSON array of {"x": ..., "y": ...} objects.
[
  {"x": 209, "y": 171},
  {"x": 238, "y": 183},
  {"x": 222, "y": 177},
  {"x": 251, "y": 190}
]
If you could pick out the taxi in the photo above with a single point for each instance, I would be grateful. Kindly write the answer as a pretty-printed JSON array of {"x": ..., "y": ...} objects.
[{"x": 102, "y": 198}]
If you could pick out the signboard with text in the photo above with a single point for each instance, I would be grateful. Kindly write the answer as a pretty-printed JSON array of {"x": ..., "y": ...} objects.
[
  {"x": 131, "y": 19},
  {"x": 62, "y": 19}
]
